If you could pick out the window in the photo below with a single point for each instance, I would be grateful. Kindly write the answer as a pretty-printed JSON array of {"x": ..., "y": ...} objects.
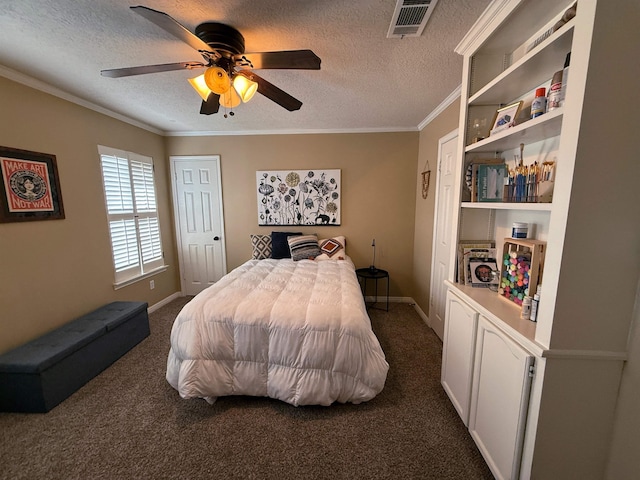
[{"x": 130, "y": 198}]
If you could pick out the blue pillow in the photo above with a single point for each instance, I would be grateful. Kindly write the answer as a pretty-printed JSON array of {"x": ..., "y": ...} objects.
[{"x": 279, "y": 244}]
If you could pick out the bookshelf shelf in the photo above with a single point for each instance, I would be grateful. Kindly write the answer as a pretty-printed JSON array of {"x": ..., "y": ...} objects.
[
  {"x": 527, "y": 72},
  {"x": 533, "y": 207},
  {"x": 532, "y": 131}
]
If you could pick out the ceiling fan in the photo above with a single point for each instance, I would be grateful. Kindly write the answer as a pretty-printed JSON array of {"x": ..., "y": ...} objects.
[{"x": 229, "y": 77}]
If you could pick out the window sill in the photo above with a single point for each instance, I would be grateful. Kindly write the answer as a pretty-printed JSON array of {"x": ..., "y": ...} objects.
[{"x": 131, "y": 281}]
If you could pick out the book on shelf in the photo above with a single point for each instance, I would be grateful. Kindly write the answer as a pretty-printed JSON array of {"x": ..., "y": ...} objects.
[
  {"x": 491, "y": 181},
  {"x": 484, "y": 272},
  {"x": 461, "y": 267},
  {"x": 474, "y": 166}
]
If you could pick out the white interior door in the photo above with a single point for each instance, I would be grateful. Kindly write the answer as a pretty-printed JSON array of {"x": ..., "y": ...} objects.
[
  {"x": 199, "y": 221},
  {"x": 442, "y": 230}
]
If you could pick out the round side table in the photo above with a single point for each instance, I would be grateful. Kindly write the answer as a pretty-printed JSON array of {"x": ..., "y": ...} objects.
[{"x": 365, "y": 274}]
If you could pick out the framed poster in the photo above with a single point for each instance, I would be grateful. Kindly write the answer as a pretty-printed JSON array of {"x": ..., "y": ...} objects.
[
  {"x": 29, "y": 187},
  {"x": 298, "y": 197}
]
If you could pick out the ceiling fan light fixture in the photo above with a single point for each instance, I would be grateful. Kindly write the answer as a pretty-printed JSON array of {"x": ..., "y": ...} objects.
[
  {"x": 217, "y": 80},
  {"x": 245, "y": 87},
  {"x": 230, "y": 99},
  {"x": 199, "y": 85}
]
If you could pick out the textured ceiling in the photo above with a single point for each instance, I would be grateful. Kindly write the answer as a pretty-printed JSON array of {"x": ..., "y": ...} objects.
[{"x": 367, "y": 82}]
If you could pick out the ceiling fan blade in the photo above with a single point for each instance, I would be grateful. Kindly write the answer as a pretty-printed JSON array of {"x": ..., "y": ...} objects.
[
  {"x": 211, "y": 105},
  {"x": 272, "y": 92},
  {"x": 164, "y": 67},
  {"x": 289, "y": 59},
  {"x": 170, "y": 25}
]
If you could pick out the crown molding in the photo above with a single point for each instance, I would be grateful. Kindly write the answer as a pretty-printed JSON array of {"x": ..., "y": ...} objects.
[
  {"x": 453, "y": 96},
  {"x": 484, "y": 24},
  {"x": 56, "y": 92},
  {"x": 289, "y": 132},
  {"x": 51, "y": 90}
]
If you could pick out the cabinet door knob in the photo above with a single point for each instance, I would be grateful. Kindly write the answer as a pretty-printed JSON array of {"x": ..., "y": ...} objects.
[{"x": 216, "y": 238}]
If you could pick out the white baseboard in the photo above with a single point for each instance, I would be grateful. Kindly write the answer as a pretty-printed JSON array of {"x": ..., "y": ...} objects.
[
  {"x": 163, "y": 302},
  {"x": 409, "y": 300},
  {"x": 423, "y": 315},
  {"x": 382, "y": 298}
]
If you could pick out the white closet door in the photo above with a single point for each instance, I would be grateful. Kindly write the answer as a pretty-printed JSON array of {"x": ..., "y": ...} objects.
[
  {"x": 199, "y": 221},
  {"x": 443, "y": 231}
]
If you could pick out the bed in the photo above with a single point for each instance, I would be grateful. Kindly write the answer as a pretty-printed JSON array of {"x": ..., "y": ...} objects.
[{"x": 293, "y": 329}]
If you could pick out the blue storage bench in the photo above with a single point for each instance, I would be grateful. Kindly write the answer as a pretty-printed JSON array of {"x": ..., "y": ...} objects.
[{"x": 38, "y": 375}]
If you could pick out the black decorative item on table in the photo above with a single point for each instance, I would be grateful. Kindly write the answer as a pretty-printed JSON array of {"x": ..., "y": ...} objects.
[{"x": 373, "y": 261}]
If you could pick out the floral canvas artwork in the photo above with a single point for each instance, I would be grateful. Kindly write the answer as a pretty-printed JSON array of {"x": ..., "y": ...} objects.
[{"x": 298, "y": 197}]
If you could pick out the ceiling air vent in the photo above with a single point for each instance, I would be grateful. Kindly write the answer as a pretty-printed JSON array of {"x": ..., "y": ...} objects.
[{"x": 410, "y": 18}]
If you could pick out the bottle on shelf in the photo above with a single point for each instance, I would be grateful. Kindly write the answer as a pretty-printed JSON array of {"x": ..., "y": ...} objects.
[
  {"x": 539, "y": 104},
  {"x": 565, "y": 78},
  {"x": 535, "y": 303},
  {"x": 519, "y": 230},
  {"x": 554, "y": 98},
  {"x": 525, "y": 314}
]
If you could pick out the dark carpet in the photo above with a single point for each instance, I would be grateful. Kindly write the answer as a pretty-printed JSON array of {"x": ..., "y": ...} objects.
[{"x": 129, "y": 423}]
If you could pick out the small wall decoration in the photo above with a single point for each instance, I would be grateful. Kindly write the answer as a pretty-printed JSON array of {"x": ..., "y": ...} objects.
[
  {"x": 29, "y": 188},
  {"x": 426, "y": 178},
  {"x": 298, "y": 197}
]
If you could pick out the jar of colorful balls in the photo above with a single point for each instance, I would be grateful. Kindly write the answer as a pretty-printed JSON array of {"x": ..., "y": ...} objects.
[{"x": 514, "y": 283}]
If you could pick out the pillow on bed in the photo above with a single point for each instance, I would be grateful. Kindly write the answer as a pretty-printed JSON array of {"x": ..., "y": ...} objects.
[
  {"x": 332, "y": 248},
  {"x": 261, "y": 247},
  {"x": 279, "y": 244},
  {"x": 304, "y": 247}
]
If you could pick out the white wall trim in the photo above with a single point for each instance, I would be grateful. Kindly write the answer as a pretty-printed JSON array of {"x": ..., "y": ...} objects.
[
  {"x": 453, "y": 96},
  {"x": 408, "y": 300},
  {"x": 162, "y": 303},
  {"x": 290, "y": 132},
  {"x": 483, "y": 23},
  {"x": 56, "y": 92},
  {"x": 584, "y": 355},
  {"x": 382, "y": 299},
  {"x": 422, "y": 315}
]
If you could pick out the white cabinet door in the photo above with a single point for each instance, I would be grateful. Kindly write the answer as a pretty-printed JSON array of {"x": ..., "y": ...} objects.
[
  {"x": 458, "y": 352},
  {"x": 499, "y": 399}
]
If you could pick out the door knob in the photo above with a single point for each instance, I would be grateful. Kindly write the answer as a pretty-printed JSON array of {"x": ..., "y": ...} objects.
[{"x": 216, "y": 238}]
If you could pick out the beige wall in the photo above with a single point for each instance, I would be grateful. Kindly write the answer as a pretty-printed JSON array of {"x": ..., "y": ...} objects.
[
  {"x": 377, "y": 171},
  {"x": 443, "y": 124},
  {"x": 53, "y": 271}
]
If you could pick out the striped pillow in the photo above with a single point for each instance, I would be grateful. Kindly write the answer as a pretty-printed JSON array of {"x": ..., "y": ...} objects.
[{"x": 303, "y": 247}]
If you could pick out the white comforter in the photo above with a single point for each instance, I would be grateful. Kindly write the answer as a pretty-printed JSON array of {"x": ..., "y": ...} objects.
[{"x": 295, "y": 331}]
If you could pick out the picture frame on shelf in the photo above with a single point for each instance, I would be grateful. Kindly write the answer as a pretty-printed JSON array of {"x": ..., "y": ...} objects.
[
  {"x": 29, "y": 186},
  {"x": 464, "y": 250},
  {"x": 484, "y": 273},
  {"x": 505, "y": 117}
]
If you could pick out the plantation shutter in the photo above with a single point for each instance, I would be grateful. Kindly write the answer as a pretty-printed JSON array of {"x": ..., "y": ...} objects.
[{"x": 132, "y": 213}]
